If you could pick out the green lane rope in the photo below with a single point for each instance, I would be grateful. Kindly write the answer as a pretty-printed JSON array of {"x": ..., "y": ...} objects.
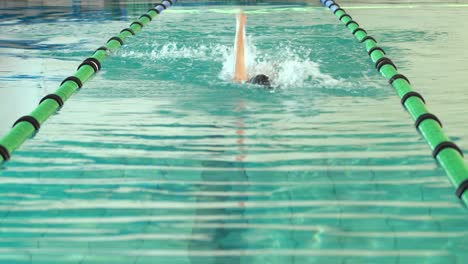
[
  {"x": 27, "y": 126},
  {"x": 446, "y": 152}
]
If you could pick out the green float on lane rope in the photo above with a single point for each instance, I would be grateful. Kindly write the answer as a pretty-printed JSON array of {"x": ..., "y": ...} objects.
[
  {"x": 27, "y": 126},
  {"x": 446, "y": 152}
]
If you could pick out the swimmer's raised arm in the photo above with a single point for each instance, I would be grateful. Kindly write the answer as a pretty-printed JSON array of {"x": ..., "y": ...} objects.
[{"x": 240, "y": 75}]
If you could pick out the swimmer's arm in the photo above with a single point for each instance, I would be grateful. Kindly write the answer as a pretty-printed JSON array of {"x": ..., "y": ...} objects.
[{"x": 240, "y": 74}]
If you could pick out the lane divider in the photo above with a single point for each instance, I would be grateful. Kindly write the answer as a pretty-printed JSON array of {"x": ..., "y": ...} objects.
[
  {"x": 445, "y": 151},
  {"x": 26, "y": 126}
]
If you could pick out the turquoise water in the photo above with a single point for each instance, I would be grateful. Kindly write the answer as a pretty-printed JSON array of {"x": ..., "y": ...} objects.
[{"x": 161, "y": 158}]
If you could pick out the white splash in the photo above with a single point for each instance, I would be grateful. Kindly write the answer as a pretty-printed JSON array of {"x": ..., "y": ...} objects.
[{"x": 287, "y": 67}]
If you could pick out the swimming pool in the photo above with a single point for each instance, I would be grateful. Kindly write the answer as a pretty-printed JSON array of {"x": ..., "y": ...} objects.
[{"x": 162, "y": 158}]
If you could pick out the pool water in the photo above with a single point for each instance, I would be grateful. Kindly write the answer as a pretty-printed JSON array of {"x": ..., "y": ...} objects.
[{"x": 161, "y": 158}]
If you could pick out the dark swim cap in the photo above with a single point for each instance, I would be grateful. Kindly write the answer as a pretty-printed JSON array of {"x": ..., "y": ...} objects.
[{"x": 261, "y": 79}]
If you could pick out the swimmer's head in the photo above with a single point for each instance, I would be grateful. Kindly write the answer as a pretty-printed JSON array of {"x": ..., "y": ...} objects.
[{"x": 261, "y": 79}]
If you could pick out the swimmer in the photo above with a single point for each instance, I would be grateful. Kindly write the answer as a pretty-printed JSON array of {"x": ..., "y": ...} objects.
[{"x": 240, "y": 74}]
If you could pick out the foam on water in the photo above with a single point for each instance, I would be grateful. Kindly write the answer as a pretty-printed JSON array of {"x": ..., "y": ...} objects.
[
  {"x": 288, "y": 67},
  {"x": 173, "y": 50}
]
